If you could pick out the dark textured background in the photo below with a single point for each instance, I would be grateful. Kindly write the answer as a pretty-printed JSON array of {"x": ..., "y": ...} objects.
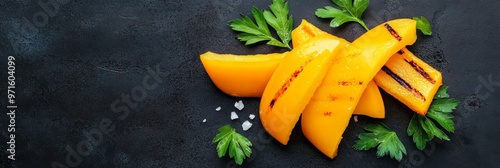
[{"x": 89, "y": 53}]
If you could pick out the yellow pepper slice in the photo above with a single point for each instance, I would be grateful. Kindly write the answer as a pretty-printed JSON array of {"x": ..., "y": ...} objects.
[
  {"x": 329, "y": 111},
  {"x": 241, "y": 76},
  {"x": 410, "y": 80},
  {"x": 293, "y": 84},
  {"x": 370, "y": 103}
]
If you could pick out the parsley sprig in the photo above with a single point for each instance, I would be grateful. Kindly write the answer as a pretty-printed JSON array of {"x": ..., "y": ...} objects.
[
  {"x": 386, "y": 139},
  {"x": 277, "y": 18},
  {"x": 423, "y": 25},
  {"x": 231, "y": 141},
  {"x": 423, "y": 129},
  {"x": 349, "y": 12},
  {"x": 352, "y": 10}
]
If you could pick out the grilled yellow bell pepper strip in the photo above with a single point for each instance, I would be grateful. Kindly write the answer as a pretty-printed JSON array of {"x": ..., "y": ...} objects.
[
  {"x": 293, "y": 84},
  {"x": 241, "y": 76},
  {"x": 328, "y": 113},
  {"x": 410, "y": 80},
  {"x": 370, "y": 103}
]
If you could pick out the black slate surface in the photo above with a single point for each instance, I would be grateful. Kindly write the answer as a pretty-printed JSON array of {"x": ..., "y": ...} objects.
[{"x": 74, "y": 67}]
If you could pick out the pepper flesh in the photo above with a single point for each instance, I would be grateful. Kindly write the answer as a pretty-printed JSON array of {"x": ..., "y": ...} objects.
[
  {"x": 410, "y": 80},
  {"x": 293, "y": 84},
  {"x": 328, "y": 113},
  {"x": 238, "y": 75},
  {"x": 414, "y": 84},
  {"x": 370, "y": 103}
]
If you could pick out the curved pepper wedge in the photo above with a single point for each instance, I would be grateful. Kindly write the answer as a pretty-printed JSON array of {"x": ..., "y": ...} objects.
[
  {"x": 238, "y": 75},
  {"x": 370, "y": 103},
  {"x": 327, "y": 115},
  {"x": 410, "y": 80},
  {"x": 293, "y": 84}
]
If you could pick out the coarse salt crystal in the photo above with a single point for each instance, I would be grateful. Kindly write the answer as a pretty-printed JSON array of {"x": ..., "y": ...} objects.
[
  {"x": 205, "y": 120},
  {"x": 218, "y": 108},
  {"x": 239, "y": 105},
  {"x": 355, "y": 118},
  {"x": 234, "y": 115},
  {"x": 251, "y": 116},
  {"x": 246, "y": 125}
]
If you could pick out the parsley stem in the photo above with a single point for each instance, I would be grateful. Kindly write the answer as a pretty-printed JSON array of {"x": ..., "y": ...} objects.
[
  {"x": 362, "y": 23},
  {"x": 364, "y": 26}
]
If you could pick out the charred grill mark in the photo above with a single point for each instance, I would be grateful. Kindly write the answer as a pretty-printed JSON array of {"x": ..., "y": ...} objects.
[
  {"x": 403, "y": 83},
  {"x": 401, "y": 52},
  {"x": 272, "y": 102},
  {"x": 421, "y": 71},
  {"x": 308, "y": 30},
  {"x": 393, "y": 32},
  {"x": 349, "y": 83},
  {"x": 343, "y": 83},
  {"x": 285, "y": 86},
  {"x": 332, "y": 97}
]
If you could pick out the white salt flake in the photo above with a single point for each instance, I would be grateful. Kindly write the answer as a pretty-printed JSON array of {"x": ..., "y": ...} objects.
[
  {"x": 355, "y": 118},
  {"x": 246, "y": 125},
  {"x": 234, "y": 115},
  {"x": 251, "y": 116},
  {"x": 205, "y": 120},
  {"x": 239, "y": 105},
  {"x": 218, "y": 108}
]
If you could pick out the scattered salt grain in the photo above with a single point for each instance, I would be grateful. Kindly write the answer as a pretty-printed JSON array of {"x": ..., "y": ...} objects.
[
  {"x": 239, "y": 105},
  {"x": 218, "y": 108},
  {"x": 204, "y": 120},
  {"x": 251, "y": 116},
  {"x": 234, "y": 115},
  {"x": 355, "y": 118},
  {"x": 246, "y": 125}
]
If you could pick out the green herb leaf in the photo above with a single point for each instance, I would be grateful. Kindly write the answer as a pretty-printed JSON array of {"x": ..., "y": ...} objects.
[
  {"x": 259, "y": 31},
  {"x": 442, "y": 93},
  {"x": 444, "y": 105},
  {"x": 420, "y": 137},
  {"x": 237, "y": 145},
  {"x": 423, "y": 129},
  {"x": 432, "y": 130},
  {"x": 278, "y": 19},
  {"x": 339, "y": 17},
  {"x": 423, "y": 25},
  {"x": 386, "y": 139},
  {"x": 349, "y": 12},
  {"x": 360, "y": 7}
]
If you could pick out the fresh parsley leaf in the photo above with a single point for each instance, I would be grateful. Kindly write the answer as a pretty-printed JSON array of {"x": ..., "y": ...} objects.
[
  {"x": 423, "y": 129},
  {"x": 420, "y": 137},
  {"x": 423, "y": 25},
  {"x": 446, "y": 105},
  {"x": 278, "y": 19},
  {"x": 442, "y": 93},
  {"x": 432, "y": 130},
  {"x": 349, "y": 12},
  {"x": 386, "y": 139},
  {"x": 440, "y": 110},
  {"x": 259, "y": 31},
  {"x": 237, "y": 144}
]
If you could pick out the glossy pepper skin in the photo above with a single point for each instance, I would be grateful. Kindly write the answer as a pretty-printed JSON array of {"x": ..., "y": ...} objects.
[
  {"x": 407, "y": 78},
  {"x": 293, "y": 84},
  {"x": 326, "y": 117},
  {"x": 410, "y": 80},
  {"x": 370, "y": 103},
  {"x": 241, "y": 75}
]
